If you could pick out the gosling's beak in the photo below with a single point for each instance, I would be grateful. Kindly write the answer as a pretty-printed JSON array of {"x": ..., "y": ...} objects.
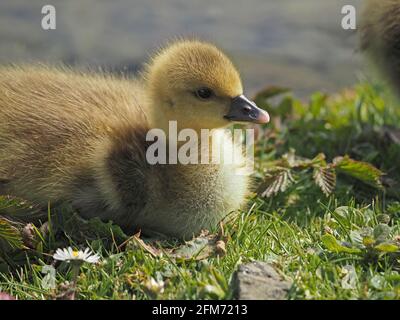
[{"x": 244, "y": 110}]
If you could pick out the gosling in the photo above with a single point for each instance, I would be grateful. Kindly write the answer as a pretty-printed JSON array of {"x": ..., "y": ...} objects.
[
  {"x": 380, "y": 37},
  {"x": 80, "y": 138}
]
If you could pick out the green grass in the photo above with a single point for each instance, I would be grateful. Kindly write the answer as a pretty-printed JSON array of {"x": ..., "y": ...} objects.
[{"x": 326, "y": 245}]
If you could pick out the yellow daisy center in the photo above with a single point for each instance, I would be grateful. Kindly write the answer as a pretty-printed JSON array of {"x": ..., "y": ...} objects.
[{"x": 75, "y": 253}]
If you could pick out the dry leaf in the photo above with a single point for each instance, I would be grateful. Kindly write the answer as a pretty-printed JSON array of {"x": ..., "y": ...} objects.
[
  {"x": 136, "y": 241},
  {"x": 199, "y": 248},
  {"x": 220, "y": 248}
]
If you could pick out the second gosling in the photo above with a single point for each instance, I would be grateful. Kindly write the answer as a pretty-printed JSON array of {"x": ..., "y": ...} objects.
[{"x": 380, "y": 38}]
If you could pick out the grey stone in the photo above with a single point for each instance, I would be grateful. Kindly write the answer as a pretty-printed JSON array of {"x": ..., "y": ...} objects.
[{"x": 259, "y": 281}]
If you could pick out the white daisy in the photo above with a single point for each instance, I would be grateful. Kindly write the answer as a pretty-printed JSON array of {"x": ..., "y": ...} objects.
[
  {"x": 68, "y": 254},
  {"x": 154, "y": 286}
]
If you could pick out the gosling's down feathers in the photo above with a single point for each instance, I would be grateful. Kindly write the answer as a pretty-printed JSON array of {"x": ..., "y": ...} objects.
[
  {"x": 380, "y": 37},
  {"x": 80, "y": 138}
]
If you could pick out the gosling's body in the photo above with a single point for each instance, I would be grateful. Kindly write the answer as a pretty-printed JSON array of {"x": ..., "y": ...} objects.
[
  {"x": 79, "y": 138},
  {"x": 380, "y": 37}
]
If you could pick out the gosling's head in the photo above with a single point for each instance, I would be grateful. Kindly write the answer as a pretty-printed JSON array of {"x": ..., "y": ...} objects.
[{"x": 195, "y": 84}]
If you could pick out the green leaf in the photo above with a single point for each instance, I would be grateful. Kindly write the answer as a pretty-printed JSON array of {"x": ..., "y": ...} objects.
[
  {"x": 292, "y": 161},
  {"x": 333, "y": 245},
  {"x": 104, "y": 229},
  {"x": 362, "y": 171},
  {"x": 387, "y": 247},
  {"x": 368, "y": 241},
  {"x": 378, "y": 282},
  {"x": 341, "y": 214},
  {"x": 317, "y": 104},
  {"x": 91, "y": 229},
  {"x": 382, "y": 232}
]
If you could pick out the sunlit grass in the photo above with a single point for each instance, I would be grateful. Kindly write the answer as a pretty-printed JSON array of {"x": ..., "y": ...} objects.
[{"x": 286, "y": 230}]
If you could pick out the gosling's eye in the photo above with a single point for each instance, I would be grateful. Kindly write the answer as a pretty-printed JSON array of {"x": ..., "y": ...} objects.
[{"x": 204, "y": 93}]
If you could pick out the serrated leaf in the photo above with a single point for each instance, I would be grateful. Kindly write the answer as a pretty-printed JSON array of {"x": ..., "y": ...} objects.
[
  {"x": 360, "y": 170},
  {"x": 333, "y": 245},
  {"x": 325, "y": 178},
  {"x": 387, "y": 247},
  {"x": 277, "y": 182}
]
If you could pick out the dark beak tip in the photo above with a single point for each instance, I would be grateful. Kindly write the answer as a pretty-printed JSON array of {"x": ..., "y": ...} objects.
[
  {"x": 264, "y": 117},
  {"x": 244, "y": 110}
]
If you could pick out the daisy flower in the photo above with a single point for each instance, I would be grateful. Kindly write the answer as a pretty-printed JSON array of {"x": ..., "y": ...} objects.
[
  {"x": 154, "y": 287},
  {"x": 68, "y": 255}
]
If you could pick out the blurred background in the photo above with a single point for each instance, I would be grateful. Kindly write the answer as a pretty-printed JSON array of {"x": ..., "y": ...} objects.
[{"x": 294, "y": 43}]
